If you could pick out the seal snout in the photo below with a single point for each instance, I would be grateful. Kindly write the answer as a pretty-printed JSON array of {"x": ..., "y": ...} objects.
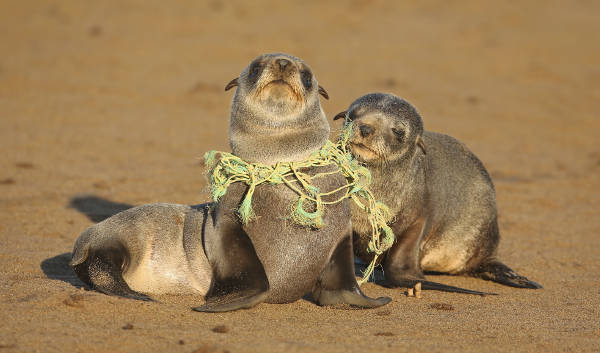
[
  {"x": 282, "y": 69},
  {"x": 361, "y": 142},
  {"x": 283, "y": 63}
]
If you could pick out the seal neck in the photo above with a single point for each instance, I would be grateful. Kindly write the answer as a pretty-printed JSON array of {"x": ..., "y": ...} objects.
[
  {"x": 399, "y": 183},
  {"x": 255, "y": 142}
]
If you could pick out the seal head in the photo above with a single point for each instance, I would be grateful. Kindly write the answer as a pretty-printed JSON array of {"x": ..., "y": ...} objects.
[
  {"x": 387, "y": 129},
  {"x": 276, "y": 114}
]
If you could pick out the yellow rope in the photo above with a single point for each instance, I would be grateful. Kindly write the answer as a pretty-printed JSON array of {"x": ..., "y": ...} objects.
[{"x": 229, "y": 169}]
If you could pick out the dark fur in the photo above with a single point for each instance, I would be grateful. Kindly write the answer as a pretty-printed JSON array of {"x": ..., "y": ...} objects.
[{"x": 273, "y": 259}]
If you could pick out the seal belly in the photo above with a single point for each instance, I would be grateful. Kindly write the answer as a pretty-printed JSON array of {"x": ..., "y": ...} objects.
[
  {"x": 445, "y": 259},
  {"x": 163, "y": 275},
  {"x": 292, "y": 255},
  {"x": 158, "y": 263},
  {"x": 450, "y": 251}
]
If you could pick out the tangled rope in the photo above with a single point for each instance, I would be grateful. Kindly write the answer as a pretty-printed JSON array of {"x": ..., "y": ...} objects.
[{"x": 229, "y": 169}]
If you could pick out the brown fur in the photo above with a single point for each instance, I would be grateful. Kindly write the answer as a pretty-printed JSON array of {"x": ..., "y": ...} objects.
[
  {"x": 441, "y": 195},
  {"x": 150, "y": 249}
]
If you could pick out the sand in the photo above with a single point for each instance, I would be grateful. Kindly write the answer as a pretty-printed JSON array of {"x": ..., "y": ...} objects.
[{"x": 105, "y": 105}]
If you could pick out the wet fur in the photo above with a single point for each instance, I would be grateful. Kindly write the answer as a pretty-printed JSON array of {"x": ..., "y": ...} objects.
[{"x": 441, "y": 195}]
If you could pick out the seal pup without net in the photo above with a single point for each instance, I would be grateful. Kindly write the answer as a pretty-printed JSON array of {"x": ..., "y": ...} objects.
[
  {"x": 276, "y": 116},
  {"x": 441, "y": 196},
  {"x": 149, "y": 249}
]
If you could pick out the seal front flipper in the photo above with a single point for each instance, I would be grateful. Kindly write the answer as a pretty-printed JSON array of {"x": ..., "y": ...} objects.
[
  {"x": 103, "y": 270},
  {"x": 498, "y": 272},
  {"x": 242, "y": 300},
  {"x": 402, "y": 263},
  {"x": 239, "y": 278},
  {"x": 337, "y": 284}
]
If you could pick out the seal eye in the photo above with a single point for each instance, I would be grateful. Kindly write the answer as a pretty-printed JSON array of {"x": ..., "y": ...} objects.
[
  {"x": 254, "y": 72},
  {"x": 306, "y": 77},
  {"x": 399, "y": 134}
]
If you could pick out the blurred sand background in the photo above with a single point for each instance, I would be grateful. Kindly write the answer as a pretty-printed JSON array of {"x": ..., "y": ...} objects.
[{"x": 109, "y": 104}]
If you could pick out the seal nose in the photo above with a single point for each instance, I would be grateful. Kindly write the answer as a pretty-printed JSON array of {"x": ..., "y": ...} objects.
[
  {"x": 365, "y": 130},
  {"x": 283, "y": 63}
]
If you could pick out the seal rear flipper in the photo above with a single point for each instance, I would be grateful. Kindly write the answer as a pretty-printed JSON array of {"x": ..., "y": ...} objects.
[
  {"x": 79, "y": 255},
  {"x": 428, "y": 285},
  {"x": 337, "y": 284},
  {"x": 80, "y": 264},
  {"x": 498, "y": 272},
  {"x": 104, "y": 270},
  {"x": 239, "y": 278}
]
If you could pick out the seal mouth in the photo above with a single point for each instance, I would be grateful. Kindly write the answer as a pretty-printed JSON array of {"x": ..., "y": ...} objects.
[
  {"x": 363, "y": 152},
  {"x": 280, "y": 88},
  {"x": 279, "y": 81}
]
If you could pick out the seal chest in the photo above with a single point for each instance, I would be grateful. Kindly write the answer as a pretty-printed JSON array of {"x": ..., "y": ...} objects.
[{"x": 292, "y": 254}]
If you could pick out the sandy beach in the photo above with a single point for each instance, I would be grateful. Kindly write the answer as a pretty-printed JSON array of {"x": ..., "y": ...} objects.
[{"x": 107, "y": 105}]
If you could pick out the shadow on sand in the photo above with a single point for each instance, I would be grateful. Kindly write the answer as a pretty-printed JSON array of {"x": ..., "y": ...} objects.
[
  {"x": 96, "y": 209},
  {"x": 360, "y": 267},
  {"x": 58, "y": 268}
]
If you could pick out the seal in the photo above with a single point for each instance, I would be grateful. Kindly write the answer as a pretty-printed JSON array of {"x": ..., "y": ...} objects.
[
  {"x": 149, "y": 249},
  {"x": 205, "y": 249},
  {"x": 442, "y": 198},
  {"x": 276, "y": 116}
]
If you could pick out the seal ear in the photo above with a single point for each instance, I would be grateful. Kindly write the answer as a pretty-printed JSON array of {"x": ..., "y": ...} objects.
[
  {"x": 421, "y": 144},
  {"x": 323, "y": 92},
  {"x": 231, "y": 84},
  {"x": 340, "y": 115}
]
